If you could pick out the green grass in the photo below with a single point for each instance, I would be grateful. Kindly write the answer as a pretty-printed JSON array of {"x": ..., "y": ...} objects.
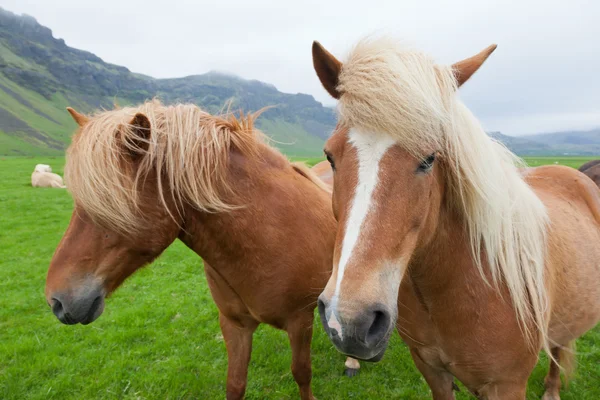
[
  {"x": 569, "y": 161},
  {"x": 159, "y": 336},
  {"x": 292, "y": 139}
]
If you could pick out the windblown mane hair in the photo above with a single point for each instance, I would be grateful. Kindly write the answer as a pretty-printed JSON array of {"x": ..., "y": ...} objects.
[
  {"x": 309, "y": 174},
  {"x": 186, "y": 148},
  {"x": 389, "y": 88}
]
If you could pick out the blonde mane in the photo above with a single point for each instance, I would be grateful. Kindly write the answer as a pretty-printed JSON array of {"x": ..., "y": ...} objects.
[
  {"x": 392, "y": 89},
  {"x": 304, "y": 170},
  {"x": 186, "y": 148}
]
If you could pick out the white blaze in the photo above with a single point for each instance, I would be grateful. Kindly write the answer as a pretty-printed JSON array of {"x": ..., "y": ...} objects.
[
  {"x": 370, "y": 150},
  {"x": 335, "y": 325}
]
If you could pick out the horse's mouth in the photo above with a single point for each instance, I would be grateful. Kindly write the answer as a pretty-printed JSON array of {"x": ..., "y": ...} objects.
[{"x": 373, "y": 359}]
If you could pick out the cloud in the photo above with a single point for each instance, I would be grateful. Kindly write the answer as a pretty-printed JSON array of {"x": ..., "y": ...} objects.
[{"x": 544, "y": 72}]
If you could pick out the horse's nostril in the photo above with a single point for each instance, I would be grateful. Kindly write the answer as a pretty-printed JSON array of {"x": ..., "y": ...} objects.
[
  {"x": 379, "y": 327},
  {"x": 95, "y": 305},
  {"x": 323, "y": 314},
  {"x": 59, "y": 310},
  {"x": 57, "y": 307},
  {"x": 321, "y": 307}
]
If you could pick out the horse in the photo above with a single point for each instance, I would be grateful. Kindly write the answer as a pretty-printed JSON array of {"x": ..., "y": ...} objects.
[
  {"x": 478, "y": 263},
  {"x": 144, "y": 176},
  {"x": 592, "y": 170},
  {"x": 588, "y": 165},
  {"x": 43, "y": 176},
  {"x": 324, "y": 172}
]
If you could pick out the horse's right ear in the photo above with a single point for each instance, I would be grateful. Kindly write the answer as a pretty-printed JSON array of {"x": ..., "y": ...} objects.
[
  {"x": 137, "y": 138},
  {"x": 79, "y": 118},
  {"x": 328, "y": 69},
  {"x": 464, "y": 69}
]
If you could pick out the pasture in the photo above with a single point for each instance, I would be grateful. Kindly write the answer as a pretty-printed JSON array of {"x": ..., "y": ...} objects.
[{"x": 159, "y": 336}]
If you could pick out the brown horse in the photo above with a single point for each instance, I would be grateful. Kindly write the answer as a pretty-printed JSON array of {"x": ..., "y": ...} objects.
[
  {"x": 589, "y": 165},
  {"x": 591, "y": 169},
  {"x": 142, "y": 177},
  {"x": 480, "y": 265}
]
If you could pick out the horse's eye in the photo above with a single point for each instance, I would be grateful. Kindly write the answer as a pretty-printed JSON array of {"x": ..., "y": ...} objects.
[
  {"x": 330, "y": 159},
  {"x": 427, "y": 163}
]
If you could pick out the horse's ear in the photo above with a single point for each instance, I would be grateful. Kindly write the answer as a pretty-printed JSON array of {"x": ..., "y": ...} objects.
[
  {"x": 464, "y": 69},
  {"x": 79, "y": 118},
  {"x": 328, "y": 69},
  {"x": 137, "y": 139}
]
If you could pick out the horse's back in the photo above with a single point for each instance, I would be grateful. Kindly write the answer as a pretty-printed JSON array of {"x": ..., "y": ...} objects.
[
  {"x": 559, "y": 184},
  {"x": 572, "y": 263},
  {"x": 589, "y": 165}
]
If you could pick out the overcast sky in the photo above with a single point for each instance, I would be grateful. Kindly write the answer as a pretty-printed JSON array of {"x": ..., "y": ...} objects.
[{"x": 543, "y": 77}]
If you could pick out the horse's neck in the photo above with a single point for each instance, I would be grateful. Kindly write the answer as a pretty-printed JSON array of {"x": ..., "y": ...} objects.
[
  {"x": 444, "y": 267},
  {"x": 276, "y": 207}
]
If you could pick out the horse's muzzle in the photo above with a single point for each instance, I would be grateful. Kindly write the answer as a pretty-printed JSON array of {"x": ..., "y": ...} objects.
[
  {"x": 84, "y": 308},
  {"x": 364, "y": 337}
]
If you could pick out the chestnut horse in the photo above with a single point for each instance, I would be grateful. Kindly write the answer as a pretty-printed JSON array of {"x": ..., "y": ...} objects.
[
  {"x": 480, "y": 265},
  {"x": 144, "y": 176}
]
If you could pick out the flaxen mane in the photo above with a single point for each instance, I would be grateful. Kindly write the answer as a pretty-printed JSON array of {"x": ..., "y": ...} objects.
[
  {"x": 185, "y": 146},
  {"x": 391, "y": 89},
  {"x": 309, "y": 174}
]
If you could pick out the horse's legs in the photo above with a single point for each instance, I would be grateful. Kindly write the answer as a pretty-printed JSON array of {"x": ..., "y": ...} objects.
[
  {"x": 440, "y": 382},
  {"x": 352, "y": 366},
  {"x": 552, "y": 381},
  {"x": 300, "y": 331},
  {"x": 238, "y": 340}
]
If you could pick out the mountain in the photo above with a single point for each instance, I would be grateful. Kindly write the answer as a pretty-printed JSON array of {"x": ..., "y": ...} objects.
[
  {"x": 573, "y": 143},
  {"x": 40, "y": 76},
  {"x": 521, "y": 145}
]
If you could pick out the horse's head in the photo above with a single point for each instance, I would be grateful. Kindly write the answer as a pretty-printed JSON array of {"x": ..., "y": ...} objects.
[
  {"x": 389, "y": 183},
  {"x": 116, "y": 227}
]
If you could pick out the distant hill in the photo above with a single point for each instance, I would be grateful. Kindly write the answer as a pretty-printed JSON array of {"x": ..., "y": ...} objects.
[
  {"x": 40, "y": 75},
  {"x": 571, "y": 142},
  {"x": 522, "y": 145},
  {"x": 575, "y": 143}
]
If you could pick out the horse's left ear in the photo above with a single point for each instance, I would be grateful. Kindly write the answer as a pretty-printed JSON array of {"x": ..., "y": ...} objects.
[
  {"x": 464, "y": 69},
  {"x": 137, "y": 139}
]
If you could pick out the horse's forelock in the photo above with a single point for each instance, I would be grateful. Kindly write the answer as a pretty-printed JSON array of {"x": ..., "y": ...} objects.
[{"x": 186, "y": 147}]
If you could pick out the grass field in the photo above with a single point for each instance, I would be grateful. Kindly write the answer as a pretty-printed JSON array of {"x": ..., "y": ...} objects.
[{"x": 159, "y": 336}]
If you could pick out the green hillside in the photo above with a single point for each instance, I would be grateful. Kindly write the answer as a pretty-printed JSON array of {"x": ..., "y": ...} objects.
[{"x": 40, "y": 75}]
